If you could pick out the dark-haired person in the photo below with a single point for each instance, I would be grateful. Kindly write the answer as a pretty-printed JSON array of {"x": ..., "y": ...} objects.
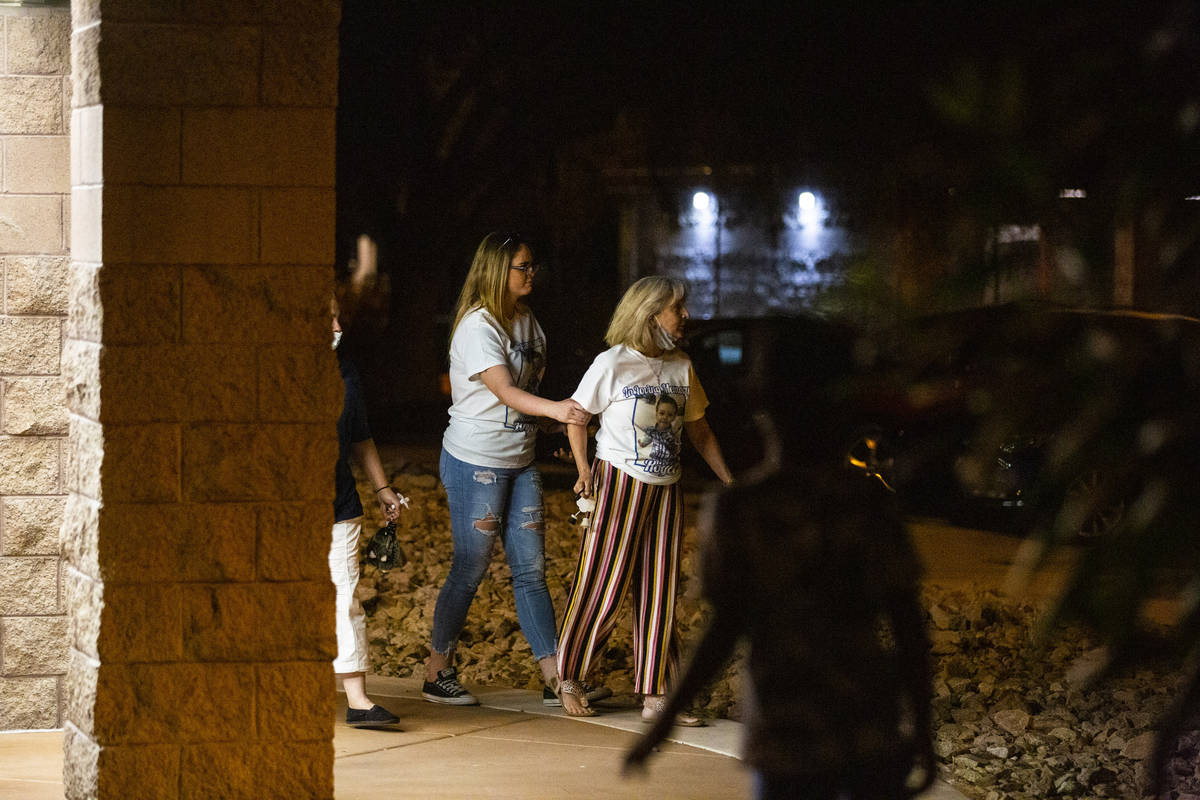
[
  {"x": 354, "y": 442},
  {"x": 497, "y": 358}
]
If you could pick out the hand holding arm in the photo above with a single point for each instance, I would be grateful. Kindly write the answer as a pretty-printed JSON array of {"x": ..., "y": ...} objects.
[
  {"x": 705, "y": 442},
  {"x": 499, "y": 382}
]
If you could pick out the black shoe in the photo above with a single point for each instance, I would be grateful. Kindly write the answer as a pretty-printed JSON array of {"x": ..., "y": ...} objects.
[
  {"x": 375, "y": 715},
  {"x": 592, "y": 693},
  {"x": 446, "y": 689}
]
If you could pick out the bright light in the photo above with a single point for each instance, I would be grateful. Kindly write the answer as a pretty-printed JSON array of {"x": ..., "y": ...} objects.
[
  {"x": 701, "y": 201},
  {"x": 808, "y": 201},
  {"x": 1073, "y": 194},
  {"x": 1192, "y": 197}
]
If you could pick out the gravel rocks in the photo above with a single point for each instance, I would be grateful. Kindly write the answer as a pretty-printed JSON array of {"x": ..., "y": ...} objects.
[{"x": 1008, "y": 721}]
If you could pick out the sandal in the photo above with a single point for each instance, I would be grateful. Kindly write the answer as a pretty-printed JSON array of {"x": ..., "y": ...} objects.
[
  {"x": 654, "y": 704},
  {"x": 578, "y": 694}
]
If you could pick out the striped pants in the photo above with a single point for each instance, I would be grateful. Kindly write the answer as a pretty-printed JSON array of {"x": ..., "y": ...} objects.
[{"x": 634, "y": 537}]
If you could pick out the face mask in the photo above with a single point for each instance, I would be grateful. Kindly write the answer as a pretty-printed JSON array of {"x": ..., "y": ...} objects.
[
  {"x": 337, "y": 339},
  {"x": 661, "y": 338}
]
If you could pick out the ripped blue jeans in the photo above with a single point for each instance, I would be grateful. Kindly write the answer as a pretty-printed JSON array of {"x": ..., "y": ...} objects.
[{"x": 487, "y": 503}]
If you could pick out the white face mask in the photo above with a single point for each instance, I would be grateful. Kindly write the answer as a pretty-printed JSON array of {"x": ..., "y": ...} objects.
[
  {"x": 337, "y": 339},
  {"x": 661, "y": 338}
]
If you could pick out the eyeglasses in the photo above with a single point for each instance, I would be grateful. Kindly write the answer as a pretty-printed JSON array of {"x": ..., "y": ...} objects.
[{"x": 528, "y": 269}]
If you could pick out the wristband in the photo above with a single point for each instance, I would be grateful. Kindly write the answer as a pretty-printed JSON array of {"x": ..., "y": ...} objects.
[{"x": 381, "y": 488}]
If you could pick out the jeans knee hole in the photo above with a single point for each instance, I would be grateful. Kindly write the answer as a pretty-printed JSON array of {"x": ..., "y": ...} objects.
[{"x": 488, "y": 524}]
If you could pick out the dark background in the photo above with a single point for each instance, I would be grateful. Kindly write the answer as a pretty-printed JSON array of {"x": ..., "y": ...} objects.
[{"x": 932, "y": 121}]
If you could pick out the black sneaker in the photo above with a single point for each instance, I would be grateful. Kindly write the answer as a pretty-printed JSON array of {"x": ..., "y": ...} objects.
[
  {"x": 446, "y": 689},
  {"x": 592, "y": 693},
  {"x": 371, "y": 717}
]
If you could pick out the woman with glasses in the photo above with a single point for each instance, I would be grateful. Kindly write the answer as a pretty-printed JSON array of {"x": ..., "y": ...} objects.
[{"x": 497, "y": 357}]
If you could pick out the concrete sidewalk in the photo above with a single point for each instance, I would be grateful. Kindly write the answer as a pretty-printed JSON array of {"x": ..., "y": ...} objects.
[{"x": 511, "y": 746}]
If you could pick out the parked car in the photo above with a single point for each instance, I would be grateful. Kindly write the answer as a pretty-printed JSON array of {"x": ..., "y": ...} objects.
[{"x": 1016, "y": 414}]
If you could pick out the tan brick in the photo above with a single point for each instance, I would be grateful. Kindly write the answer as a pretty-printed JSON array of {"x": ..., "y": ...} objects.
[
  {"x": 139, "y": 771},
  {"x": 31, "y": 223},
  {"x": 85, "y": 598},
  {"x": 141, "y": 463},
  {"x": 87, "y": 145},
  {"x": 37, "y": 164},
  {"x": 28, "y": 703},
  {"x": 81, "y": 377},
  {"x": 40, "y": 45},
  {"x": 274, "y": 771},
  {"x": 30, "y": 525},
  {"x": 84, "y": 455},
  {"x": 180, "y": 65},
  {"x": 259, "y": 621},
  {"x": 88, "y": 11},
  {"x": 85, "y": 312},
  {"x": 155, "y": 291},
  {"x": 81, "y": 764},
  {"x": 311, "y": 13},
  {"x": 85, "y": 63},
  {"x": 30, "y": 105},
  {"x": 141, "y": 145},
  {"x": 293, "y": 541},
  {"x": 139, "y": 623},
  {"x": 29, "y": 585},
  {"x": 259, "y": 146},
  {"x": 300, "y": 67},
  {"x": 36, "y": 284},
  {"x": 34, "y": 645},
  {"x": 172, "y": 543},
  {"x": 80, "y": 536},
  {"x": 299, "y": 384},
  {"x": 168, "y": 703},
  {"x": 211, "y": 384},
  {"x": 295, "y": 700},
  {"x": 274, "y": 304},
  {"x": 79, "y": 693},
  {"x": 87, "y": 220},
  {"x": 195, "y": 225},
  {"x": 227, "y": 463},
  {"x": 35, "y": 406},
  {"x": 297, "y": 226},
  {"x": 30, "y": 345},
  {"x": 28, "y": 465}
]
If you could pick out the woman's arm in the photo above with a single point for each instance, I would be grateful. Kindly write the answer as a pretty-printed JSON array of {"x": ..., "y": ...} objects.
[
  {"x": 705, "y": 442},
  {"x": 499, "y": 382},
  {"x": 577, "y": 436},
  {"x": 368, "y": 458}
]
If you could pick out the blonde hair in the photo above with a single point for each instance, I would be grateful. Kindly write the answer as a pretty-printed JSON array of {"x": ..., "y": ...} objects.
[
  {"x": 487, "y": 279},
  {"x": 630, "y": 324}
]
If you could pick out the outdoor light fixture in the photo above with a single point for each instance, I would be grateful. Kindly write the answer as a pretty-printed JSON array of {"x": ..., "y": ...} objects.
[
  {"x": 1192, "y": 197},
  {"x": 1072, "y": 194},
  {"x": 702, "y": 201},
  {"x": 808, "y": 202}
]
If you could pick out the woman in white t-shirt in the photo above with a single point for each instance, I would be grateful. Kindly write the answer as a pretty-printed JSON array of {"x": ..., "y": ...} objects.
[
  {"x": 647, "y": 395},
  {"x": 497, "y": 357}
]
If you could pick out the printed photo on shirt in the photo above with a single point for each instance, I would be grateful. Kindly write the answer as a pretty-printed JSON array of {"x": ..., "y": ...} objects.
[
  {"x": 658, "y": 426},
  {"x": 529, "y": 360}
]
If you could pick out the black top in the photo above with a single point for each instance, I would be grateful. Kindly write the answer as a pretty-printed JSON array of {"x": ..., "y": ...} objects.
[{"x": 352, "y": 427}]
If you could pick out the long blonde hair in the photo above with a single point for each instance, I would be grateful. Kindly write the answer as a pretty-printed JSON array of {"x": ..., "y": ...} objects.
[
  {"x": 630, "y": 324},
  {"x": 487, "y": 279}
]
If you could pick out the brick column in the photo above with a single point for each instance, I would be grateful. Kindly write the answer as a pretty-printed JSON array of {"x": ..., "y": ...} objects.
[
  {"x": 34, "y": 187},
  {"x": 203, "y": 396}
]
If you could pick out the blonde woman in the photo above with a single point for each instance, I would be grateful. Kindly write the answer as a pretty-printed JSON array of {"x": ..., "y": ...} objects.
[
  {"x": 641, "y": 385},
  {"x": 497, "y": 357}
]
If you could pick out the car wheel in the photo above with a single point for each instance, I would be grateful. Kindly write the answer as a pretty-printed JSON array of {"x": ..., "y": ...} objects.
[{"x": 1088, "y": 508}]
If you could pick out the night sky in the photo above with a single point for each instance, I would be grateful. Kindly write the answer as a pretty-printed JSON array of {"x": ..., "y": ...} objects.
[{"x": 453, "y": 117}]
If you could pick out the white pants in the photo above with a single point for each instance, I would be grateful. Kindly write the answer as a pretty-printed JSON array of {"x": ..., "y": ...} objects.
[{"x": 351, "y": 622}]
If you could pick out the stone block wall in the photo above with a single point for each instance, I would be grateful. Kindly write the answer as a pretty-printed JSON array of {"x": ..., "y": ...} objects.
[
  {"x": 203, "y": 396},
  {"x": 34, "y": 221}
]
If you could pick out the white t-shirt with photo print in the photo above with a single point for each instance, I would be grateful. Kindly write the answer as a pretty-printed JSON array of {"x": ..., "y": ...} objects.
[
  {"x": 643, "y": 403},
  {"x": 482, "y": 430}
]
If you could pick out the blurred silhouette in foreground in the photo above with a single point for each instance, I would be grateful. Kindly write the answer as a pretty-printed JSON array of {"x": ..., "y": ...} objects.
[{"x": 810, "y": 561}]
